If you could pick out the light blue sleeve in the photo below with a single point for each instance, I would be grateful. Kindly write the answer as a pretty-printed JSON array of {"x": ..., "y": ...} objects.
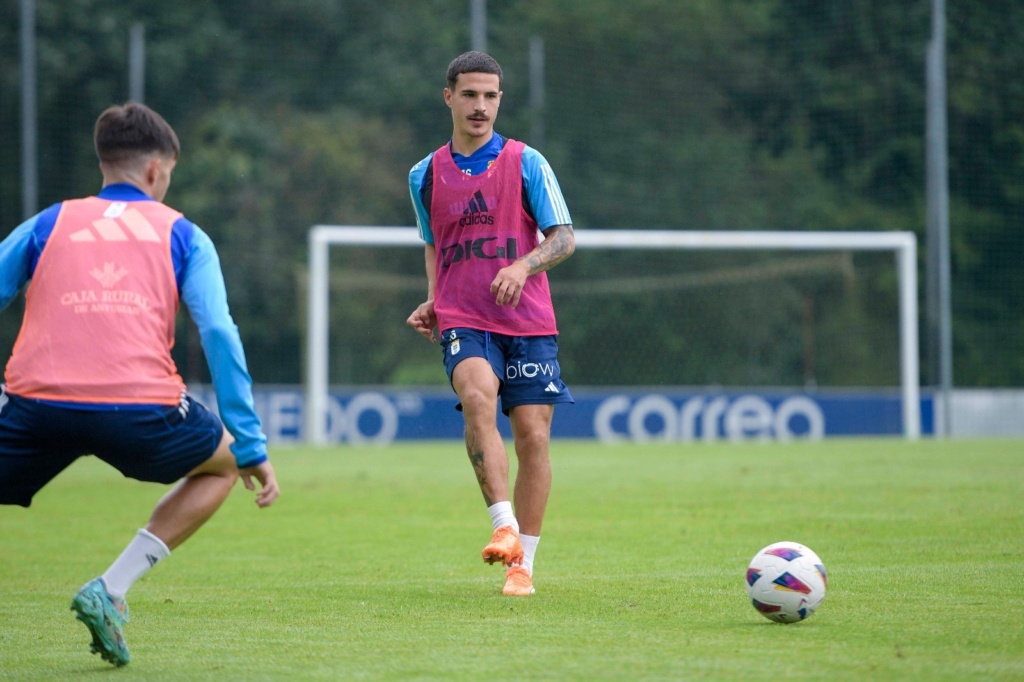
[
  {"x": 14, "y": 261},
  {"x": 205, "y": 294},
  {"x": 543, "y": 192},
  {"x": 416, "y": 177}
]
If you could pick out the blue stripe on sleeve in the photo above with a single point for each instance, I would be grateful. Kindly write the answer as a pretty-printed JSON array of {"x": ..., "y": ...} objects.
[
  {"x": 14, "y": 261},
  {"x": 542, "y": 189},
  {"x": 205, "y": 294},
  {"x": 45, "y": 222},
  {"x": 20, "y": 250},
  {"x": 416, "y": 177},
  {"x": 182, "y": 234}
]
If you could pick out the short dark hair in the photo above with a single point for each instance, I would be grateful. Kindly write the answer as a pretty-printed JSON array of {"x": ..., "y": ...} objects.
[
  {"x": 472, "y": 62},
  {"x": 129, "y": 131}
]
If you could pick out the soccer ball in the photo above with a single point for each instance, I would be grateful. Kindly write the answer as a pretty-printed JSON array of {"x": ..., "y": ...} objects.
[{"x": 786, "y": 582}]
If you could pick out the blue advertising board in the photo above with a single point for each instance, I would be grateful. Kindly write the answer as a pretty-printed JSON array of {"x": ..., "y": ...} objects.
[{"x": 383, "y": 415}]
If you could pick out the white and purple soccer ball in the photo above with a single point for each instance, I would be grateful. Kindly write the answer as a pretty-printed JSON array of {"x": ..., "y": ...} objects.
[{"x": 786, "y": 582}]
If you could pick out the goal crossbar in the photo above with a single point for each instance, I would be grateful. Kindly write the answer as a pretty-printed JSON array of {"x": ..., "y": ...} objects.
[{"x": 902, "y": 244}]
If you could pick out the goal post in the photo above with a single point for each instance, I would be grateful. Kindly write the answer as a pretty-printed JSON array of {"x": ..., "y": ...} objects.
[{"x": 902, "y": 244}]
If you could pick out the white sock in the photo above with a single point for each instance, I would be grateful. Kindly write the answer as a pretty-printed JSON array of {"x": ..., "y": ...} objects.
[
  {"x": 141, "y": 554},
  {"x": 501, "y": 515},
  {"x": 530, "y": 543}
]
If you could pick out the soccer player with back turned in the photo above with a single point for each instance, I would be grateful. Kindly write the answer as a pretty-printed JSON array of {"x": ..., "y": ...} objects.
[
  {"x": 91, "y": 371},
  {"x": 480, "y": 200}
]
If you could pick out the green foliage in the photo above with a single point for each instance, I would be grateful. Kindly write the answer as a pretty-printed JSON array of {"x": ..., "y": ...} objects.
[
  {"x": 257, "y": 182},
  {"x": 368, "y": 567},
  {"x": 713, "y": 114}
]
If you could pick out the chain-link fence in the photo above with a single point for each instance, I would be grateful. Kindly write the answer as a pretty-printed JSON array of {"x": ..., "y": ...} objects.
[{"x": 726, "y": 115}]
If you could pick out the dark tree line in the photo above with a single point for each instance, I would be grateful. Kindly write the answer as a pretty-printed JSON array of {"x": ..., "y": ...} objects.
[{"x": 710, "y": 115}]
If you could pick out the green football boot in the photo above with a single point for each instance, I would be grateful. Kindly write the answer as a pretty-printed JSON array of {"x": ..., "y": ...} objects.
[{"x": 105, "y": 619}]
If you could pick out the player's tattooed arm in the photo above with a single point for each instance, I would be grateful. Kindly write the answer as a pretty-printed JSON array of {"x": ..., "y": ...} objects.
[{"x": 559, "y": 243}]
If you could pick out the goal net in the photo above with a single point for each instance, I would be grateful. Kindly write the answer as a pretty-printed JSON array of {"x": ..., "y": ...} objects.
[{"x": 642, "y": 308}]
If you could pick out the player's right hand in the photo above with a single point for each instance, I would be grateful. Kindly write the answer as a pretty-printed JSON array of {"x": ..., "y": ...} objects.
[{"x": 424, "y": 320}]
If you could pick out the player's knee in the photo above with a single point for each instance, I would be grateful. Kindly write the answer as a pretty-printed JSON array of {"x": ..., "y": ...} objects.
[
  {"x": 531, "y": 422},
  {"x": 221, "y": 463},
  {"x": 231, "y": 475},
  {"x": 533, "y": 439},
  {"x": 477, "y": 402}
]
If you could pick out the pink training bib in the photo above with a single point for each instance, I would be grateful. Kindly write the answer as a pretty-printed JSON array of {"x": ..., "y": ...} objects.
[
  {"x": 100, "y": 309},
  {"x": 480, "y": 226}
]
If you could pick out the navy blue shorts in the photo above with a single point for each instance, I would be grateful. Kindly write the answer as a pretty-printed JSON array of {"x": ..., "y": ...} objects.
[
  {"x": 157, "y": 444},
  {"x": 526, "y": 366}
]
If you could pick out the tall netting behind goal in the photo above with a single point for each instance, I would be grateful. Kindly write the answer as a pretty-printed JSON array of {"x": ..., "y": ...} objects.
[{"x": 644, "y": 308}]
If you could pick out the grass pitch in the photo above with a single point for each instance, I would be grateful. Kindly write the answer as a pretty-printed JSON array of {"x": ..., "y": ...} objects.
[{"x": 368, "y": 568}]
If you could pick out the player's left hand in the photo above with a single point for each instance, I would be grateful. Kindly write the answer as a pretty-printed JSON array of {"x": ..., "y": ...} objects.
[
  {"x": 508, "y": 284},
  {"x": 264, "y": 473}
]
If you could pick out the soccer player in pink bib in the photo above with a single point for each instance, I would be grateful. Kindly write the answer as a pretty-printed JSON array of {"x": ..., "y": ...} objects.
[
  {"x": 91, "y": 371},
  {"x": 481, "y": 202}
]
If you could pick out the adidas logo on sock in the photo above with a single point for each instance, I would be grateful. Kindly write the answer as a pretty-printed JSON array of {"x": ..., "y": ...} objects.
[{"x": 152, "y": 560}]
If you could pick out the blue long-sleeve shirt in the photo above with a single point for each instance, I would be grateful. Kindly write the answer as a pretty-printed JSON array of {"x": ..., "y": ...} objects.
[{"x": 201, "y": 287}]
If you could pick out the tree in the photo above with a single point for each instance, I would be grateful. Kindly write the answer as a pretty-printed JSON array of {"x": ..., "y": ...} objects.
[{"x": 710, "y": 114}]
